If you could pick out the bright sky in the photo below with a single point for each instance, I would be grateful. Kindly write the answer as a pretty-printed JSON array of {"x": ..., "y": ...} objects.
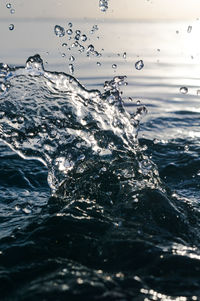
[{"x": 123, "y": 9}]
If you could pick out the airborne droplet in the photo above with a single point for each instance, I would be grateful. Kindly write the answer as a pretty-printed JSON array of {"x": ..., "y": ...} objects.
[
  {"x": 69, "y": 32},
  {"x": 184, "y": 90},
  {"x": 103, "y": 5},
  {"x": 8, "y": 5},
  {"x": 139, "y": 65},
  {"x": 59, "y": 31},
  {"x": 11, "y": 27},
  {"x": 124, "y": 55},
  {"x": 83, "y": 38},
  {"x": 71, "y": 68},
  {"x": 72, "y": 58}
]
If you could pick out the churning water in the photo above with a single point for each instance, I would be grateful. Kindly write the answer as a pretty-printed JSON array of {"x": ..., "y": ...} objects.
[{"x": 107, "y": 206}]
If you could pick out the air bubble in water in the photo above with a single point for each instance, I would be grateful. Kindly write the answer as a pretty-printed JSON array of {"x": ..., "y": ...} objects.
[
  {"x": 8, "y": 5},
  {"x": 184, "y": 90},
  {"x": 189, "y": 29},
  {"x": 114, "y": 66},
  {"x": 70, "y": 24},
  {"x": 59, "y": 31},
  {"x": 69, "y": 32},
  {"x": 138, "y": 102},
  {"x": 198, "y": 92},
  {"x": 64, "y": 44},
  {"x": 139, "y": 65},
  {"x": 12, "y": 11},
  {"x": 71, "y": 68},
  {"x": 98, "y": 64},
  {"x": 11, "y": 27}
]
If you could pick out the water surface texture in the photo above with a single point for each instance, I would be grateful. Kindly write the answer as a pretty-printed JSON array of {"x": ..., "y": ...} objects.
[{"x": 99, "y": 162}]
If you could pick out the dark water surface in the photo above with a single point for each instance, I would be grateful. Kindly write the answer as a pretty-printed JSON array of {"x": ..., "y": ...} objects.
[{"x": 123, "y": 219}]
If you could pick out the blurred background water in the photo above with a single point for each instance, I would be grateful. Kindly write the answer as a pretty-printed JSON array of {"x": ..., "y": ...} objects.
[{"x": 168, "y": 85}]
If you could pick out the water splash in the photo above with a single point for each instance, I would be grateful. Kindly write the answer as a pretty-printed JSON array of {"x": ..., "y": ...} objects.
[{"x": 51, "y": 117}]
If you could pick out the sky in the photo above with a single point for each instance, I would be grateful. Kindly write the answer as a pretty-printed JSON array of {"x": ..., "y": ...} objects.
[{"x": 118, "y": 9}]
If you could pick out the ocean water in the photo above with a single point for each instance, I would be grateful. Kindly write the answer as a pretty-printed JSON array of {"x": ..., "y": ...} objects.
[{"x": 99, "y": 168}]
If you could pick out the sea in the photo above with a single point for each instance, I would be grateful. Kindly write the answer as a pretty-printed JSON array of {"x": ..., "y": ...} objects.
[{"x": 99, "y": 160}]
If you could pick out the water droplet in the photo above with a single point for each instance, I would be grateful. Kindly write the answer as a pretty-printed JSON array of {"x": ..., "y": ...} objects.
[
  {"x": 20, "y": 119},
  {"x": 111, "y": 99},
  {"x": 82, "y": 48},
  {"x": 124, "y": 55},
  {"x": 71, "y": 68},
  {"x": 138, "y": 102},
  {"x": 2, "y": 87},
  {"x": 114, "y": 66},
  {"x": 64, "y": 44},
  {"x": 8, "y": 5},
  {"x": 186, "y": 148},
  {"x": 189, "y": 29},
  {"x": 17, "y": 208},
  {"x": 70, "y": 24},
  {"x": 11, "y": 27},
  {"x": 83, "y": 38},
  {"x": 77, "y": 37},
  {"x": 90, "y": 48},
  {"x": 78, "y": 32},
  {"x": 139, "y": 65},
  {"x": 69, "y": 32},
  {"x": 98, "y": 64},
  {"x": 59, "y": 31},
  {"x": 96, "y": 53},
  {"x": 156, "y": 141},
  {"x": 72, "y": 58},
  {"x": 63, "y": 54},
  {"x": 12, "y": 11},
  {"x": 103, "y": 5},
  {"x": 95, "y": 27},
  {"x": 26, "y": 210},
  {"x": 184, "y": 90}
]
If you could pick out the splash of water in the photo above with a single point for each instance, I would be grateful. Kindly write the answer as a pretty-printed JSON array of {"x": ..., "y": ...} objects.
[{"x": 51, "y": 117}]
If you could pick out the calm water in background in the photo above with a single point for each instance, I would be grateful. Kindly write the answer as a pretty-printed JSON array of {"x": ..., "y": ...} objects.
[{"x": 171, "y": 133}]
